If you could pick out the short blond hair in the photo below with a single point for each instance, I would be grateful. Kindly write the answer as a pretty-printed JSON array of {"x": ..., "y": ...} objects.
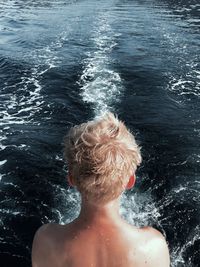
[{"x": 102, "y": 154}]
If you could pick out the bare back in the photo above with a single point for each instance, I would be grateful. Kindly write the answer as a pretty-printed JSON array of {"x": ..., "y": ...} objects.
[{"x": 107, "y": 245}]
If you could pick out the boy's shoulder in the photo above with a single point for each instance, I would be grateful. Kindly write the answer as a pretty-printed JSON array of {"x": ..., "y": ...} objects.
[
  {"x": 44, "y": 243},
  {"x": 153, "y": 247},
  {"x": 150, "y": 232},
  {"x": 45, "y": 232}
]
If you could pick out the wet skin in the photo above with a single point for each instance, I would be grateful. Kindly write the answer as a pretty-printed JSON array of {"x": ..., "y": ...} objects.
[{"x": 99, "y": 237}]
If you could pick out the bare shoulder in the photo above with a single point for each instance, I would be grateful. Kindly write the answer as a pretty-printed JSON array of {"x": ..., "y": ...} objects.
[
  {"x": 44, "y": 233},
  {"x": 154, "y": 248},
  {"x": 151, "y": 232},
  {"x": 43, "y": 244}
]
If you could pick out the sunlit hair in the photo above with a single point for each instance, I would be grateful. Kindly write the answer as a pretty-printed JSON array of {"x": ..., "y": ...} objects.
[{"x": 102, "y": 155}]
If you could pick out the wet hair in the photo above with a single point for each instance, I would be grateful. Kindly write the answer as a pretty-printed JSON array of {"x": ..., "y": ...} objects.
[{"x": 102, "y": 154}]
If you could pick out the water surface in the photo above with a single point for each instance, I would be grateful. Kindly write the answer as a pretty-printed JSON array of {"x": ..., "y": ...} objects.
[{"x": 64, "y": 62}]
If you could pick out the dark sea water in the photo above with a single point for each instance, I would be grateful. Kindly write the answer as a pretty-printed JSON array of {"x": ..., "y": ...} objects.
[{"x": 63, "y": 63}]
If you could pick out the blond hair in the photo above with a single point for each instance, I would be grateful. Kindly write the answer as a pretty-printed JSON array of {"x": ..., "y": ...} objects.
[{"x": 102, "y": 155}]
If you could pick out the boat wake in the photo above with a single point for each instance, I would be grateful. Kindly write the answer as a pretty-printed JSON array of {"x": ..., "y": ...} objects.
[{"x": 100, "y": 84}]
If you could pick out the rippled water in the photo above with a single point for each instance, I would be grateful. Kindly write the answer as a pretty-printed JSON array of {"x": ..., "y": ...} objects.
[{"x": 64, "y": 62}]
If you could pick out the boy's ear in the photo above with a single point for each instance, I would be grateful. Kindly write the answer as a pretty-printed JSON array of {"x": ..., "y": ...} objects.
[
  {"x": 131, "y": 182},
  {"x": 70, "y": 180}
]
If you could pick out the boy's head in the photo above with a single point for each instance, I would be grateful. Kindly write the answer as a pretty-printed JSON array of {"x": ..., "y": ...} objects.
[{"x": 102, "y": 155}]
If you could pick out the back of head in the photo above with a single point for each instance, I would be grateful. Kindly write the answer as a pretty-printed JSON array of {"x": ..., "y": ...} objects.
[{"x": 102, "y": 155}]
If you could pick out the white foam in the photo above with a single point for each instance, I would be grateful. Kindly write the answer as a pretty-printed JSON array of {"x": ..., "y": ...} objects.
[
  {"x": 100, "y": 83},
  {"x": 19, "y": 108},
  {"x": 2, "y": 138},
  {"x": 188, "y": 84},
  {"x": 178, "y": 252},
  {"x": 2, "y": 162},
  {"x": 139, "y": 209},
  {"x": 187, "y": 81},
  {"x": 1, "y": 176}
]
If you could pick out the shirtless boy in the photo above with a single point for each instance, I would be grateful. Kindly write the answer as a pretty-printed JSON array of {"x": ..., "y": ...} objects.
[{"x": 102, "y": 157}]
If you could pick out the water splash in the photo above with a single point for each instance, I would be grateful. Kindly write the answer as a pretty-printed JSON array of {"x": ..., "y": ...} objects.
[{"x": 138, "y": 209}]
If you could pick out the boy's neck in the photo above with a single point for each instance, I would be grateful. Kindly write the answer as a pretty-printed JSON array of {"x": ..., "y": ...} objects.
[{"x": 91, "y": 214}]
